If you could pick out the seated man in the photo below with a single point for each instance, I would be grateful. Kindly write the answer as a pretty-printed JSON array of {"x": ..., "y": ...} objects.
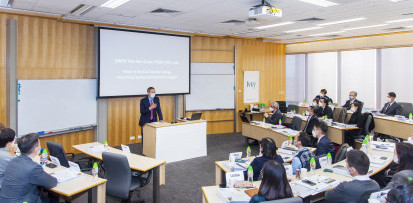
[
  {"x": 351, "y": 100},
  {"x": 325, "y": 109},
  {"x": 23, "y": 175},
  {"x": 311, "y": 120},
  {"x": 391, "y": 108},
  {"x": 276, "y": 114},
  {"x": 7, "y": 150},
  {"x": 303, "y": 157},
  {"x": 323, "y": 94},
  {"x": 360, "y": 188},
  {"x": 324, "y": 144}
]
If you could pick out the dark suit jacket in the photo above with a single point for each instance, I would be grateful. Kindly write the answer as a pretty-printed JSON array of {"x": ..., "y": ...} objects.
[
  {"x": 352, "y": 191},
  {"x": 146, "y": 113},
  {"x": 328, "y": 98},
  {"x": 325, "y": 146},
  {"x": 326, "y": 111},
  {"x": 356, "y": 118},
  {"x": 347, "y": 105},
  {"x": 21, "y": 181},
  {"x": 310, "y": 124},
  {"x": 275, "y": 117},
  {"x": 394, "y": 109}
]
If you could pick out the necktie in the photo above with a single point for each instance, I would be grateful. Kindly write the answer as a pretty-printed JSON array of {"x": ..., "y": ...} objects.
[{"x": 150, "y": 102}]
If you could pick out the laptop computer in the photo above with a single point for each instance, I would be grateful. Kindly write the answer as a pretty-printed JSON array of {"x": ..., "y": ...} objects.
[{"x": 195, "y": 116}]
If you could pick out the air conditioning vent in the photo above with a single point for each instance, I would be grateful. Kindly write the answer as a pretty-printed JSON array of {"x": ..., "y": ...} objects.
[
  {"x": 233, "y": 21},
  {"x": 313, "y": 19},
  {"x": 162, "y": 10}
]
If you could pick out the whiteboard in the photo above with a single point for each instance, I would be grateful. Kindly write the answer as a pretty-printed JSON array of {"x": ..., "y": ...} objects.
[
  {"x": 212, "y": 87},
  {"x": 55, "y": 105}
]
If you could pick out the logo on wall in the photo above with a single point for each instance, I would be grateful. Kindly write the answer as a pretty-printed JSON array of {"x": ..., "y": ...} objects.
[{"x": 251, "y": 86}]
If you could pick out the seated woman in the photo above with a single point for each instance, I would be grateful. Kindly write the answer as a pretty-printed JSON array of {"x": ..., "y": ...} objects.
[
  {"x": 356, "y": 118},
  {"x": 269, "y": 152},
  {"x": 403, "y": 156},
  {"x": 274, "y": 184},
  {"x": 401, "y": 192}
]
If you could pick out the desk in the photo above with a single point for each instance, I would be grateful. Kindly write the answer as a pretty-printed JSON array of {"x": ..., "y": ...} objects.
[
  {"x": 393, "y": 127},
  {"x": 175, "y": 142},
  {"x": 136, "y": 162},
  {"x": 258, "y": 132},
  {"x": 258, "y": 114},
  {"x": 336, "y": 134},
  {"x": 96, "y": 189},
  {"x": 209, "y": 192}
]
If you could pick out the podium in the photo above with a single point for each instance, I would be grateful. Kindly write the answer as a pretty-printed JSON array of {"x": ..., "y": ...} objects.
[{"x": 175, "y": 142}]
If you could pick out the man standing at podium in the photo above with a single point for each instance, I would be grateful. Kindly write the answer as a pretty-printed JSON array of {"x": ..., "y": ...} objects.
[{"x": 150, "y": 109}]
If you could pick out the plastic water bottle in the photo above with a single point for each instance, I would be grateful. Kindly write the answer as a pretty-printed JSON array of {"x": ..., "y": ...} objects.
[
  {"x": 303, "y": 113},
  {"x": 250, "y": 174},
  {"x": 312, "y": 165},
  {"x": 294, "y": 111},
  {"x": 364, "y": 146},
  {"x": 43, "y": 158},
  {"x": 248, "y": 152},
  {"x": 329, "y": 161},
  {"x": 95, "y": 171},
  {"x": 106, "y": 146},
  {"x": 367, "y": 138},
  {"x": 279, "y": 122},
  {"x": 410, "y": 116},
  {"x": 290, "y": 141},
  {"x": 325, "y": 117}
]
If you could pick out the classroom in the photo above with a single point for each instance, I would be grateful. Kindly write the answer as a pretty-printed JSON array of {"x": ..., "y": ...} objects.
[{"x": 214, "y": 101}]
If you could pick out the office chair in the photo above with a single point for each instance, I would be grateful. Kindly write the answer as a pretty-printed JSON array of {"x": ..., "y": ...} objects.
[
  {"x": 339, "y": 114},
  {"x": 407, "y": 108},
  {"x": 244, "y": 119},
  {"x": 283, "y": 118},
  {"x": 295, "y": 123},
  {"x": 287, "y": 200},
  {"x": 121, "y": 183},
  {"x": 57, "y": 150},
  {"x": 341, "y": 153},
  {"x": 282, "y": 106},
  {"x": 292, "y": 107}
]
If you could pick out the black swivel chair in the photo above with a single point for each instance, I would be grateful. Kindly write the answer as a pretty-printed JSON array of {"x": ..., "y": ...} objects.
[
  {"x": 57, "y": 150},
  {"x": 282, "y": 106},
  {"x": 293, "y": 107},
  {"x": 295, "y": 123},
  {"x": 407, "y": 108},
  {"x": 287, "y": 200},
  {"x": 121, "y": 183}
]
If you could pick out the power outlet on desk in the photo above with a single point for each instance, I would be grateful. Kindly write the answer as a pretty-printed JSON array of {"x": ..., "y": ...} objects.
[{"x": 131, "y": 137}]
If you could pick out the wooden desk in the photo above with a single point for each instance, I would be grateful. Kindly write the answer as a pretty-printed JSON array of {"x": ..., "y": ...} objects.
[
  {"x": 73, "y": 188},
  {"x": 258, "y": 132},
  {"x": 175, "y": 142},
  {"x": 393, "y": 127},
  {"x": 209, "y": 192},
  {"x": 136, "y": 162},
  {"x": 336, "y": 134}
]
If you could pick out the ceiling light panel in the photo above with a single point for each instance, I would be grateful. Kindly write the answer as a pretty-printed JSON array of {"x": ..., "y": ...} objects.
[
  {"x": 342, "y": 21},
  {"x": 114, "y": 3},
  {"x": 275, "y": 25},
  {"x": 322, "y": 3},
  {"x": 304, "y": 29},
  {"x": 365, "y": 27}
]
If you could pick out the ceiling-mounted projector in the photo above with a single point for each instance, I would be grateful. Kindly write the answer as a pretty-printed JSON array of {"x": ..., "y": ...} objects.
[{"x": 265, "y": 11}]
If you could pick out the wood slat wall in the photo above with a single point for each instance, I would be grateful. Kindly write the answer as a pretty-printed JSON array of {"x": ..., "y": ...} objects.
[
  {"x": 49, "y": 49},
  {"x": 388, "y": 40}
]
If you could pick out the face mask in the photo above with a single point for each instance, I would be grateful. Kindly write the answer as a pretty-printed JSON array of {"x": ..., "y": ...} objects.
[
  {"x": 321, "y": 95},
  {"x": 395, "y": 159},
  {"x": 307, "y": 113},
  {"x": 271, "y": 109},
  {"x": 314, "y": 135},
  {"x": 388, "y": 100},
  {"x": 352, "y": 109},
  {"x": 153, "y": 95},
  {"x": 314, "y": 104},
  {"x": 350, "y": 97}
]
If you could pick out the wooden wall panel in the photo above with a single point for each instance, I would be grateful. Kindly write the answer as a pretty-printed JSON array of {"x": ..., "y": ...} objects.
[
  {"x": 123, "y": 118},
  {"x": 3, "y": 119},
  {"x": 388, "y": 40},
  {"x": 70, "y": 139}
]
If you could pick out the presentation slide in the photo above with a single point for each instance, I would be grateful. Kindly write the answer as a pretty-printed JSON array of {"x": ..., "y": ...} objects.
[{"x": 131, "y": 61}]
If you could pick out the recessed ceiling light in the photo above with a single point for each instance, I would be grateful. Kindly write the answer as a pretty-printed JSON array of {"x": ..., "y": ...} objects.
[
  {"x": 322, "y": 3},
  {"x": 370, "y": 26},
  {"x": 81, "y": 9},
  {"x": 113, "y": 3},
  {"x": 396, "y": 0},
  {"x": 304, "y": 29},
  {"x": 275, "y": 25},
  {"x": 400, "y": 20},
  {"x": 342, "y": 21},
  {"x": 328, "y": 33},
  {"x": 409, "y": 26}
]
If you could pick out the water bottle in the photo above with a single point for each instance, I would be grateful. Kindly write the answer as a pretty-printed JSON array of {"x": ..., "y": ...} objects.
[
  {"x": 312, "y": 165},
  {"x": 294, "y": 111},
  {"x": 290, "y": 141},
  {"x": 95, "y": 171},
  {"x": 279, "y": 122},
  {"x": 248, "y": 152},
  {"x": 43, "y": 158},
  {"x": 325, "y": 117},
  {"x": 364, "y": 146},
  {"x": 368, "y": 142},
  {"x": 303, "y": 113},
  {"x": 106, "y": 146},
  {"x": 250, "y": 174},
  {"x": 410, "y": 116},
  {"x": 329, "y": 161}
]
